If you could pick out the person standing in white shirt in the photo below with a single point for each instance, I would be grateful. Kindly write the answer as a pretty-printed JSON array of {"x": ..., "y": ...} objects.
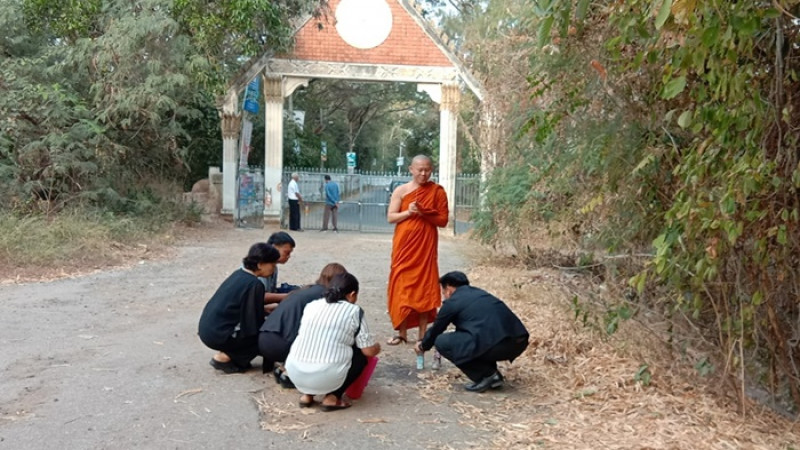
[{"x": 295, "y": 198}]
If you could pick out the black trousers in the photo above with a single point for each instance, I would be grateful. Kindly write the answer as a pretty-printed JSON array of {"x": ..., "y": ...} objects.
[
  {"x": 357, "y": 365},
  {"x": 294, "y": 215},
  {"x": 241, "y": 350},
  {"x": 483, "y": 365},
  {"x": 273, "y": 347}
]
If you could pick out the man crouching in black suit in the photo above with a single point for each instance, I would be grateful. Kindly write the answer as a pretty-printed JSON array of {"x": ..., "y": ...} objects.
[{"x": 487, "y": 331}]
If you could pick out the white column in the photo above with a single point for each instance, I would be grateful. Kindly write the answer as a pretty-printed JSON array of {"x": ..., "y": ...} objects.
[
  {"x": 231, "y": 123},
  {"x": 273, "y": 143},
  {"x": 448, "y": 126}
]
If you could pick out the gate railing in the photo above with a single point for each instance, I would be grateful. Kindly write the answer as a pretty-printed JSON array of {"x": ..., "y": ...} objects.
[{"x": 365, "y": 199}]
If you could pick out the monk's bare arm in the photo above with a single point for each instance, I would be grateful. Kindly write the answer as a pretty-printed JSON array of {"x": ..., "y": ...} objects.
[{"x": 394, "y": 215}]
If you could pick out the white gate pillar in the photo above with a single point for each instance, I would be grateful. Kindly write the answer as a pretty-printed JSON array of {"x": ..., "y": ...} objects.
[
  {"x": 231, "y": 123},
  {"x": 273, "y": 143},
  {"x": 448, "y": 126}
]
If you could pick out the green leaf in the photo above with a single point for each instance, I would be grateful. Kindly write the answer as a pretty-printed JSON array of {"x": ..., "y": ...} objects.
[
  {"x": 663, "y": 13},
  {"x": 582, "y": 9},
  {"x": 782, "y": 239},
  {"x": 685, "y": 119},
  {"x": 544, "y": 31},
  {"x": 710, "y": 36},
  {"x": 612, "y": 324},
  {"x": 674, "y": 87},
  {"x": 643, "y": 375},
  {"x": 588, "y": 392},
  {"x": 641, "y": 282}
]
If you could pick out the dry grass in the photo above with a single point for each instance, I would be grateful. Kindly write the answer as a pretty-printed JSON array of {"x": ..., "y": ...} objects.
[{"x": 575, "y": 389}]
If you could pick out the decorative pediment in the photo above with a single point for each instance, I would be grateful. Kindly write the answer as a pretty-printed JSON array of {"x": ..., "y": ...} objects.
[{"x": 371, "y": 40}]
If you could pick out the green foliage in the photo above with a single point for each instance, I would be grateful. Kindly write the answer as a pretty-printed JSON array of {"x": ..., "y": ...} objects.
[
  {"x": 101, "y": 99},
  {"x": 371, "y": 119},
  {"x": 643, "y": 375},
  {"x": 614, "y": 315},
  {"x": 85, "y": 234},
  {"x": 666, "y": 126},
  {"x": 225, "y": 33},
  {"x": 66, "y": 19},
  {"x": 704, "y": 367}
]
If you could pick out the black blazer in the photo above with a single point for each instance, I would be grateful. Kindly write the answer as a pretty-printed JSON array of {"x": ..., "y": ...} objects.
[
  {"x": 235, "y": 310},
  {"x": 285, "y": 320},
  {"x": 483, "y": 318}
]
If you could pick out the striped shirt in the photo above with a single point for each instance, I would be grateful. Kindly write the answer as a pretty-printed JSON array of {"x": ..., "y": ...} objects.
[{"x": 323, "y": 351}]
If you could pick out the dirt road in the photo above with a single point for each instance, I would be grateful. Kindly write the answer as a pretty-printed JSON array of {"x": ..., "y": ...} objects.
[{"x": 112, "y": 360}]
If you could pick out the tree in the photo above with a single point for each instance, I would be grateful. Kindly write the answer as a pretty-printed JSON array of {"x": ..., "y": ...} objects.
[
  {"x": 364, "y": 118},
  {"x": 102, "y": 98}
]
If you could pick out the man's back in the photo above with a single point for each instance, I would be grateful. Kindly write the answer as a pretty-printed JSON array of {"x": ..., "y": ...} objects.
[
  {"x": 285, "y": 320},
  {"x": 331, "y": 193},
  {"x": 482, "y": 314}
]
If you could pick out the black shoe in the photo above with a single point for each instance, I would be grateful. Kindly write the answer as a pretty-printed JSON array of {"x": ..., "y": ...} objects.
[
  {"x": 227, "y": 367},
  {"x": 493, "y": 381},
  {"x": 286, "y": 383},
  {"x": 282, "y": 379}
]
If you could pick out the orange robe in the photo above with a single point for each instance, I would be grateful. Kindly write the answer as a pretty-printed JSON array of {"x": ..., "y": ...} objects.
[{"x": 414, "y": 275}]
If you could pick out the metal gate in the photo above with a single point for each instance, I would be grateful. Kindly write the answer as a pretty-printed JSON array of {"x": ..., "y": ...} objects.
[{"x": 364, "y": 200}]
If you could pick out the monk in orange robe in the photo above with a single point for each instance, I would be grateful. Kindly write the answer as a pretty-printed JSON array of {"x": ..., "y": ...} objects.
[{"x": 417, "y": 208}]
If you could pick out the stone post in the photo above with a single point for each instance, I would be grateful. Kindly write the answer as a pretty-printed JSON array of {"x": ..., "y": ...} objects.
[
  {"x": 231, "y": 123},
  {"x": 448, "y": 126},
  {"x": 273, "y": 143}
]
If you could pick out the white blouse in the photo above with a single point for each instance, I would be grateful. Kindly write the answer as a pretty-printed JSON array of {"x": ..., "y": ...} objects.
[{"x": 323, "y": 351}]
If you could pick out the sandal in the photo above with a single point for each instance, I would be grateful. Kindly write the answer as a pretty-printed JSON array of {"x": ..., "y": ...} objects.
[
  {"x": 340, "y": 404},
  {"x": 397, "y": 340},
  {"x": 307, "y": 404}
]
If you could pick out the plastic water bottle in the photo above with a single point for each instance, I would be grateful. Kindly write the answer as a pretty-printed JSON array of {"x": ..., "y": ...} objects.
[{"x": 420, "y": 361}]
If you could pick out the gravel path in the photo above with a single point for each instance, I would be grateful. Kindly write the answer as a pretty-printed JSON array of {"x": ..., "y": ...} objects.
[{"x": 112, "y": 360}]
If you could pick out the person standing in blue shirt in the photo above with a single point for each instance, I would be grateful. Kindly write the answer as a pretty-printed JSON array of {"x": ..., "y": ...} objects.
[{"x": 332, "y": 199}]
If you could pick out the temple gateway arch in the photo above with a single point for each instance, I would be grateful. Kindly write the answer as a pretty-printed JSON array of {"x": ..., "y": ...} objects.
[{"x": 362, "y": 40}]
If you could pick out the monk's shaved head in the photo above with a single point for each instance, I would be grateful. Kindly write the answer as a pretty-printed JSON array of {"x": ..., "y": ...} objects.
[
  {"x": 422, "y": 159},
  {"x": 421, "y": 169}
]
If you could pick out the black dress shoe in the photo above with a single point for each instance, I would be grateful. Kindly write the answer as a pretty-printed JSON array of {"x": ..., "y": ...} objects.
[
  {"x": 286, "y": 383},
  {"x": 282, "y": 379},
  {"x": 493, "y": 381},
  {"x": 227, "y": 367}
]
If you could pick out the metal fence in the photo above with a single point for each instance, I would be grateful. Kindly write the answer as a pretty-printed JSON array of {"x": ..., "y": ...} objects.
[
  {"x": 467, "y": 200},
  {"x": 364, "y": 199}
]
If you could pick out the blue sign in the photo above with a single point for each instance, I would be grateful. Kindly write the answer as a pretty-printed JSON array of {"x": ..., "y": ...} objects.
[
  {"x": 351, "y": 159},
  {"x": 251, "y": 97}
]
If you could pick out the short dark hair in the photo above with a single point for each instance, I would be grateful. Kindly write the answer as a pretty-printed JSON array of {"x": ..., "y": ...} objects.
[
  {"x": 280, "y": 238},
  {"x": 341, "y": 285},
  {"x": 454, "y": 279},
  {"x": 260, "y": 253},
  {"x": 327, "y": 177}
]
